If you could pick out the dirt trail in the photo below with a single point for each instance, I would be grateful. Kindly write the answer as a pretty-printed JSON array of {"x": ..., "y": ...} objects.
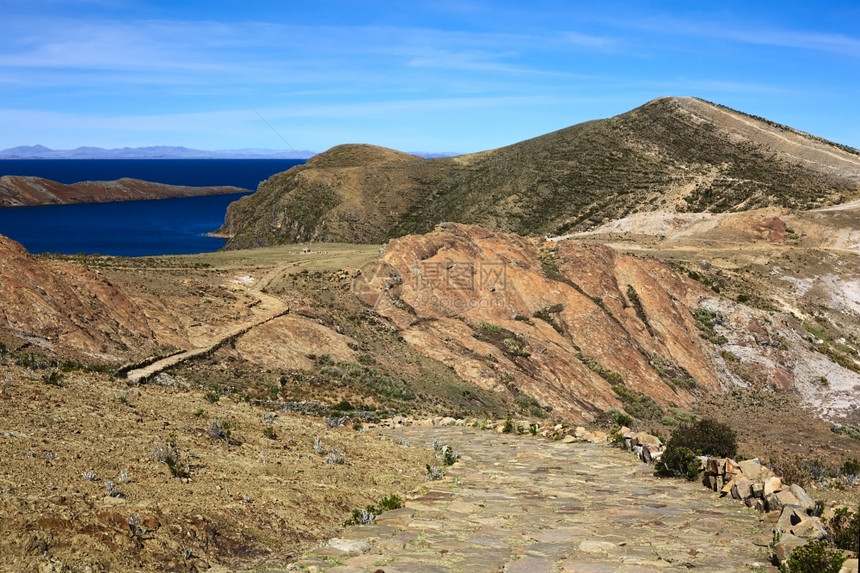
[{"x": 268, "y": 308}]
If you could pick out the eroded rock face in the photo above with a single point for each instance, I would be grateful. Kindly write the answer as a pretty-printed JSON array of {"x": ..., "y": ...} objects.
[
  {"x": 578, "y": 328},
  {"x": 66, "y": 305}
]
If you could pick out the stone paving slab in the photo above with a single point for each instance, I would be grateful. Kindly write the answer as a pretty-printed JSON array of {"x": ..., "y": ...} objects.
[{"x": 521, "y": 504}]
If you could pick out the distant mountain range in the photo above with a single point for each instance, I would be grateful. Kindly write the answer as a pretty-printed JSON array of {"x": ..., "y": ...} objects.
[
  {"x": 153, "y": 152},
  {"x": 166, "y": 152}
]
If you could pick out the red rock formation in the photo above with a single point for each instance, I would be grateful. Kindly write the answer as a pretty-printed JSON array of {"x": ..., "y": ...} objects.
[
  {"x": 558, "y": 322},
  {"x": 66, "y": 305}
]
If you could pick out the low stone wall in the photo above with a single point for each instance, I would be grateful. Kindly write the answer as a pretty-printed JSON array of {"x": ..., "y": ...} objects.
[{"x": 756, "y": 486}]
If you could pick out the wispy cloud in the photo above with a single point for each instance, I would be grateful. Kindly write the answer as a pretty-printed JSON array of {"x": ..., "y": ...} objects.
[{"x": 745, "y": 33}]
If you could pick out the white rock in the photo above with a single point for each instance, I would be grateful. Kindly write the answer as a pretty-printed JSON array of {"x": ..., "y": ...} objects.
[{"x": 349, "y": 546}]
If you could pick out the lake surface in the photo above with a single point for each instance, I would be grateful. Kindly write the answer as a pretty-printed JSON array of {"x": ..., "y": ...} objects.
[
  {"x": 244, "y": 173},
  {"x": 132, "y": 228},
  {"x": 125, "y": 228}
]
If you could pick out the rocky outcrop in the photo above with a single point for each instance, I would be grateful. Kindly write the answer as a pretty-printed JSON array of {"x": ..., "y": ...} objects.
[
  {"x": 18, "y": 191},
  {"x": 67, "y": 306},
  {"x": 567, "y": 327}
]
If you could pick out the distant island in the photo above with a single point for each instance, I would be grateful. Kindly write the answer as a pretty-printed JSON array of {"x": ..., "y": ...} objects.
[{"x": 20, "y": 191}]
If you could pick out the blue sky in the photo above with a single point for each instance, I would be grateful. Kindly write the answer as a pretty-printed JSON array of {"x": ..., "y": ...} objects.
[{"x": 446, "y": 75}]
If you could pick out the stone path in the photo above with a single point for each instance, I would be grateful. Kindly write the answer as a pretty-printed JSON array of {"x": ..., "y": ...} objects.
[{"x": 522, "y": 504}]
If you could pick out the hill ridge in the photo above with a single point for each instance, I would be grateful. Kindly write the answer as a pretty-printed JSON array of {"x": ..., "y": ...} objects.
[{"x": 683, "y": 154}]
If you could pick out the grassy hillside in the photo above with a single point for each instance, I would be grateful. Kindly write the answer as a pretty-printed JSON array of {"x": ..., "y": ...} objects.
[{"x": 681, "y": 154}]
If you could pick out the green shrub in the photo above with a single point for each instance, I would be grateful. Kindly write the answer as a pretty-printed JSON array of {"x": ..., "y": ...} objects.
[
  {"x": 814, "y": 557},
  {"x": 844, "y": 529},
  {"x": 706, "y": 438},
  {"x": 55, "y": 378},
  {"x": 702, "y": 438},
  {"x": 390, "y": 502},
  {"x": 677, "y": 461},
  {"x": 620, "y": 417}
]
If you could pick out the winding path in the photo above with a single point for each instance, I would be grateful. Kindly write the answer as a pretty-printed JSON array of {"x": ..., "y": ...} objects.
[{"x": 268, "y": 308}]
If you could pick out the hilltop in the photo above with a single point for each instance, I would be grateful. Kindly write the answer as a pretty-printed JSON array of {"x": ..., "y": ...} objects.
[{"x": 676, "y": 154}]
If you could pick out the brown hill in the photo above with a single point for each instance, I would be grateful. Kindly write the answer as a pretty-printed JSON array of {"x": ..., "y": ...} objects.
[
  {"x": 461, "y": 321},
  {"x": 18, "y": 191},
  {"x": 64, "y": 307},
  {"x": 680, "y": 154}
]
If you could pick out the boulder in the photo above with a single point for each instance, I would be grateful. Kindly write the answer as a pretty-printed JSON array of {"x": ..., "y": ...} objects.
[
  {"x": 643, "y": 438},
  {"x": 850, "y": 566},
  {"x": 803, "y": 498},
  {"x": 568, "y": 439},
  {"x": 713, "y": 482},
  {"x": 650, "y": 453},
  {"x": 772, "y": 485},
  {"x": 758, "y": 489},
  {"x": 715, "y": 466},
  {"x": 742, "y": 487},
  {"x": 794, "y": 520},
  {"x": 786, "y": 544},
  {"x": 349, "y": 546},
  {"x": 732, "y": 467},
  {"x": 754, "y": 470}
]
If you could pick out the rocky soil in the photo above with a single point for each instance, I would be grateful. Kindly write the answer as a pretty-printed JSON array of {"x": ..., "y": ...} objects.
[
  {"x": 85, "y": 485},
  {"x": 462, "y": 321}
]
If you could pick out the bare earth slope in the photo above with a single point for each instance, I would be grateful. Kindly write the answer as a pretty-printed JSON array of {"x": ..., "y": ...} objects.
[
  {"x": 62, "y": 306},
  {"x": 680, "y": 154},
  {"x": 798, "y": 270},
  {"x": 18, "y": 191}
]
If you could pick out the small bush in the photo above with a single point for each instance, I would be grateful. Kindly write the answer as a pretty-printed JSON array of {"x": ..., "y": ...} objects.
[
  {"x": 706, "y": 438},
  {"x": 212, "y": 397},
  {"x": 792, "y": 471},
  {"x": 850, "y": 470},
  {"x": 448, "y": 455},
  {"x": 269, "y": 432},
  {"x": 169, "y": 455},
  {"x": 220, "y": 430},
  {"x": 814, "y": 557},
  {"x": 688, "y": 441},
  {"x": 844, "y": 529},
  {"x": 55, "y": 378},
  {"x": 434, "y": 473},
  {"x": 620, "y": 418},
  {"x": 677, "y": 461},
  {"x": 334, "y": 457}
]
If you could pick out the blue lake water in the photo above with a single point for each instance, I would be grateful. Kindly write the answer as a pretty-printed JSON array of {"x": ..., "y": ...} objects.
[
  {"x": 125, "y": 228},
  {"x": 132, "y": 228},
  {"x": 244, "y": 173}
]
